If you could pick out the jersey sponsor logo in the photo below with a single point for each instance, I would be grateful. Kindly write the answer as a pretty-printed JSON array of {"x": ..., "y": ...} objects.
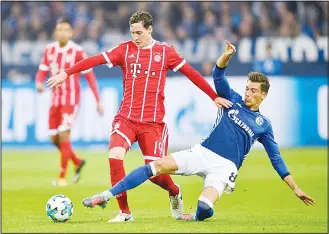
[
  {"x": 259, "y": 121},
  {"x": 135, "y": 68},
  {"x": 232, "y": 114},
  {"x": 131, "y": 56}
]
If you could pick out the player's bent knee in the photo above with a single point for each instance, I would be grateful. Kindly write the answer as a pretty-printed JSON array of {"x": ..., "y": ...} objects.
[
  {"x": 54, "y": 139},
  {"x": 204, "y": 210},
  {"x": 166, "y": 165},
  {"x": 117, "y": 153},
  {"x": 64, "y": 136},
  {"x": 159, "y": 166}
]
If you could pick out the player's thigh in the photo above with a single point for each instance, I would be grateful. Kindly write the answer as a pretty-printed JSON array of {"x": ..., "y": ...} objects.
[
  {"x": 152, "y": 139},
  {"x": 213, "y": 187},
  {"x": 118, "y": 146},
  {"x": 188, "y": 161},
  {"x": 68, "y": 116},
  {"x": 54, "y": 121},
  {"x": 122, "y": 136}
]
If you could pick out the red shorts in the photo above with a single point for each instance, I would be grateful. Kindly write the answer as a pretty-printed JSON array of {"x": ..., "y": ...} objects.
[
  {"x": 152, "y": 137},
  {"x": 61, "y": 118}
]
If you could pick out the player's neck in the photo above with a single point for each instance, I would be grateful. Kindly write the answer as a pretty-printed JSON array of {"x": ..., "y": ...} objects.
[
  {"x": 149, "y": 43},
  {"x": 62, "y": 44},
  {"x": 254, "y": 108}
]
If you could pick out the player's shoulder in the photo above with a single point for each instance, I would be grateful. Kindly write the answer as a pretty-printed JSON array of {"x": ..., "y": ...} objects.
[
  {"x": 76, "y": 46},
  {"x": 51, "y": 45},
  {"x": 263, "y": 119},
  {"x": 122, "y": 45},
  {"x": 125, "y": 43},
  {"x": 163, "y": 43}
]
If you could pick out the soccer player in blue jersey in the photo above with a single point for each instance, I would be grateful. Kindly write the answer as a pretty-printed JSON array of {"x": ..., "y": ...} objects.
[{"x": 218, "y": 158}]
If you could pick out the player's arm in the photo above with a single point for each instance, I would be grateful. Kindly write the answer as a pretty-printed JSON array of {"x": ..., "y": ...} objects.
[
  {"x": 92, "y": 82},
  {"x": 177, "y": 63},
  {"x": 272, "y": 149},
  {"x": 221, "y": 84},
  {"x": 42, "y": 72},
  {"x": 111, "y": 58}
]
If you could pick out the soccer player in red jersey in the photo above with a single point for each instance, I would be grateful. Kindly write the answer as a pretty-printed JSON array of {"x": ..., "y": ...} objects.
[
  {"x": 65, "y": 100},
  {"x": 144, "y": 63}
]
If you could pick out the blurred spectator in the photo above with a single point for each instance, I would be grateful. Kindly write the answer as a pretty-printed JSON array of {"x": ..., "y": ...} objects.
[
  {"x": 173, "y": 20},
  {"x": 269, "y": 65},
  {"x": 208, "y": 25},
  {"x": 207, "y": 67}
]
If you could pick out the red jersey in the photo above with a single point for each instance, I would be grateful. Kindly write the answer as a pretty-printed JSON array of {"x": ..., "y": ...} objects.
[
  {"x": 144, "y": 77},
  {"x": 56, "y": 59}
]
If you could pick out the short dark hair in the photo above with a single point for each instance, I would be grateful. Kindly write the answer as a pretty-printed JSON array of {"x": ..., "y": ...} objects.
[
  {"x": 260, "y": 78},
  {"x": 64, "y": 20},
  {"x": 142, "y": 16}
]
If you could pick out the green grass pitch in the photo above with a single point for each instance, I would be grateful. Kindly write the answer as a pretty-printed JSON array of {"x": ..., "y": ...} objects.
[{"x": 260, "y": 203}]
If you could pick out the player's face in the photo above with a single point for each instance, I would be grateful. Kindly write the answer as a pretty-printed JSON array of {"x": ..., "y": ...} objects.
[
  {"x": 141, "y": 36},
  {"x": 63, "y": 32},
  {"x": 253, "y": 95}
]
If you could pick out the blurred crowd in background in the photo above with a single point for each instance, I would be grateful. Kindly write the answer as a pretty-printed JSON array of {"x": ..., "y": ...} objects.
[{"x": 172, "y": 20}]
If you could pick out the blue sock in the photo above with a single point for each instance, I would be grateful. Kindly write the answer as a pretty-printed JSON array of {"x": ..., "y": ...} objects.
[
  {"x": 204, "y": 210},
  {"x": 132, "y": 180}
]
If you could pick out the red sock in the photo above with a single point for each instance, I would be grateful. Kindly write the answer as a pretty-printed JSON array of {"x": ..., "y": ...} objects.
[
  {"x": 165, "y": 182},
  {"x": 65, "y": 157},
  {"x": 117, "y": 173},
  {"x": 76, "y": 160}
]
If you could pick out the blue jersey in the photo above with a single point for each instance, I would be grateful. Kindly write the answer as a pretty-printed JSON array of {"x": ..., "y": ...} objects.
[{"x": 236, "y": 129}]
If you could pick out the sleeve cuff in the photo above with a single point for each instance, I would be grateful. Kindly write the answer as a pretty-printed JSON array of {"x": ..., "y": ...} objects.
[
  {"x": 86, "y": 71},
  {"x": 179, "y": 66},
  {"x": 109, "y": 63},
  {"x": 43, "y": 67},
  {"x": 284, "y": 175}
]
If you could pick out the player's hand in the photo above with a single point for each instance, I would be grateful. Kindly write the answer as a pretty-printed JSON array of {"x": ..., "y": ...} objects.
[
  {"x": 57, "y": 80},
  {"x": 222, "y": 102},
  {"x": 230, "y": 49},
  {"x": 304, "y": 197},
  {"x": 40, "y": 87},
  {"x": 100, "y": 109}
]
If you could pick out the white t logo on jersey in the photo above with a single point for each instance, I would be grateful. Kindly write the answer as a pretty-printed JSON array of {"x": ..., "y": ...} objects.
[{"x": 135, "y": 68}]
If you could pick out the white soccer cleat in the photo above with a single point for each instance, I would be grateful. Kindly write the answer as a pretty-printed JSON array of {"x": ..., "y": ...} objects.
[
  {"x": 122, "y": 217},
  {"x": 176, "y": 204}
]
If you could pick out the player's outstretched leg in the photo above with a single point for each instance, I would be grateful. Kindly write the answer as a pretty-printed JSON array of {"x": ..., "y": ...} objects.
[
  {"x": 133, "y": 179},
  {"x": 175, "y": 192},
  {"x": 205, "y": 203}
]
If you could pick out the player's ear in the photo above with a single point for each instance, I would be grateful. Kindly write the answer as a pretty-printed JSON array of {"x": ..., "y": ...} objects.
[
  {"x": 150, "y": 29},
  {"x": 264, "y": 95}
]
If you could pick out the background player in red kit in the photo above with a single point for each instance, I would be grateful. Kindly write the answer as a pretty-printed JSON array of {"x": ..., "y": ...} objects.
[
  {"x": 65, "y": 100},
  {"x": 144, "y": 63}
]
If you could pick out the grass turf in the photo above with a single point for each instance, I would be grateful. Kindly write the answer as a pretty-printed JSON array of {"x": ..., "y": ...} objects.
[{"x": 261, "y": 202}]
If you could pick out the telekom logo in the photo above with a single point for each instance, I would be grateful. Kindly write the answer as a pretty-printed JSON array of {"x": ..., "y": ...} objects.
[{"x": 135, "y": 68}]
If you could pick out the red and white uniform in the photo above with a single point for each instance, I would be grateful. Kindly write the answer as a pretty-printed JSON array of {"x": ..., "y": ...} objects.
[
  {"x": 65, "y": 100},
  {"x": 141, "y": 113},
  {"x": 144, "y": 77}
]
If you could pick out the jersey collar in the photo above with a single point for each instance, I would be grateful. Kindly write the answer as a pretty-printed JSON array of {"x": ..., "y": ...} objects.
[
  {"x": 149, "y": 46},
  {"x": 65, "y": 48}
]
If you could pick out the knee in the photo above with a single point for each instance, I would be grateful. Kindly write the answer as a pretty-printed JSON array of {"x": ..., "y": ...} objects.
[
  {"x": 64, "y": 136},
  {"x": 117, "y": 153},
  {"x": 204, "y": 210},
  {"x": 160, "y": 166},
  {"x": 55, "y": 140}
]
